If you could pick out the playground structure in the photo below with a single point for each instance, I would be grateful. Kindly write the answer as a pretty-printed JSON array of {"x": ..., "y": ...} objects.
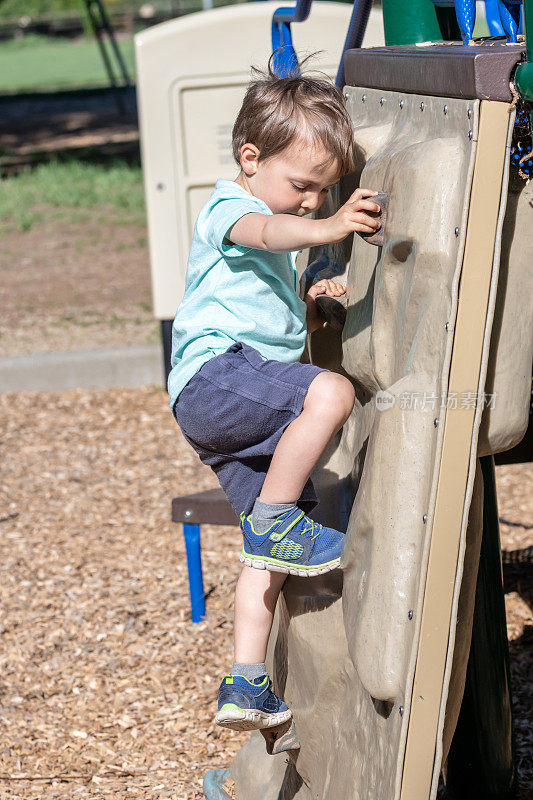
[{"x": 396, "y": 667}]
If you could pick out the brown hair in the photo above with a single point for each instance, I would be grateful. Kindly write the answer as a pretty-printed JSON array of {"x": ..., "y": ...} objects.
[{"x": 276, "y": 111}]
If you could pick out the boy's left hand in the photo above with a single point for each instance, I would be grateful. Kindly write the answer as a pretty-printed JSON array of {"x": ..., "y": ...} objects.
[{"x": 326, "y": 286}]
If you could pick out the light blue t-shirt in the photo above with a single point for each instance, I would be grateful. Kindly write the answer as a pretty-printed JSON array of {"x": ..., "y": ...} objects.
[{"x": 234, "y": 293}]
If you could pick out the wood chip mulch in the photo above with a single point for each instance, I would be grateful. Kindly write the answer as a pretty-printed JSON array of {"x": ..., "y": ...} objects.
[{"x": 107, "y": 689}]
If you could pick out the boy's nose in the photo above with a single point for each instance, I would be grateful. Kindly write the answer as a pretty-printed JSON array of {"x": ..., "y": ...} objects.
[{"x": 311, "y": 202}]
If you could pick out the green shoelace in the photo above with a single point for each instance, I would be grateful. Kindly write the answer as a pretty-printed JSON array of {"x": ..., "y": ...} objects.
[{"x": 311, "y": 527}]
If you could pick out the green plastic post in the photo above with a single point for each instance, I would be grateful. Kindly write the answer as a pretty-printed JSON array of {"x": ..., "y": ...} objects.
[
  {"x": 524, "y": 72},
  {"x": 407, "y": 23}
]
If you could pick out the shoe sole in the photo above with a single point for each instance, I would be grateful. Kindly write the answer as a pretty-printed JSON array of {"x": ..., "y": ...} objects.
[
  {"x": 303, "y": 572},
  {"x": 250, "y": 719}
]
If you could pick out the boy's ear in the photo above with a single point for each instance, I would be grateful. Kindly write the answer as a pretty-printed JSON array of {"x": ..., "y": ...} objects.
[{"x": 249, "y": 159}]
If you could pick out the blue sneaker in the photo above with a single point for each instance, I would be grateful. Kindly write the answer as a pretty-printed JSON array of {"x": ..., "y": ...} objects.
[
  {"x": 244, "y": 705},
  {"x": 294, "y": 544}
]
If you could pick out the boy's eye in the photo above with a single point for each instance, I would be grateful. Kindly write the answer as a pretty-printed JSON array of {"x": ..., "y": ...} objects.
[{"x": 304, "y": 188}]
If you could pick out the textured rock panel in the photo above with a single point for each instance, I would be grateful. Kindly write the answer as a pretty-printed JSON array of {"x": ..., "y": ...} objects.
[{"x": 345, "y": 644}]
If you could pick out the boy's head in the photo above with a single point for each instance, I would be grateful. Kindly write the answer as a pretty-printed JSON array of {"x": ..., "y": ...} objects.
[{"x": 293, "y": 139}]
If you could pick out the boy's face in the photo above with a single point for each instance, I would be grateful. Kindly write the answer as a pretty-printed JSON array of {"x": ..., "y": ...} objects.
[{"x": 295, "y": 181}]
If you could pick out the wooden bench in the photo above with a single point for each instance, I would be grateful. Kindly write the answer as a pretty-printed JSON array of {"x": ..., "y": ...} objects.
[{"x": 192, "y": 510}]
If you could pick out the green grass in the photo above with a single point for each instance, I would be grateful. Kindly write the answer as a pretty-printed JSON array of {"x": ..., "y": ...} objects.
[
  {"x": 36, "y": 62},
  {"x": 12, "y": 8},
  {"x": 70, "y": 185}
]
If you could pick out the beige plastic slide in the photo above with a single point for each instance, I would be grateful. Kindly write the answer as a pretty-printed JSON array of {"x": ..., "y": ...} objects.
[{"x": 372, "y": 659}]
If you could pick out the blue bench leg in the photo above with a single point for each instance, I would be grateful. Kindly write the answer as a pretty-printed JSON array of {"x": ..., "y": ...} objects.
[{"x": 194, "y": 567}]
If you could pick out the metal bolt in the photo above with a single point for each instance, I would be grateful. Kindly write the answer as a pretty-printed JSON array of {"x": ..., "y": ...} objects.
[
  {"x": 401, "y": 103},
  {"x": 363, "y": 98},
  {"x": 187, "y": 513},
  {"x": 381, "y": 100},
  {"x": 445, "y": 109},
  {"x": 160, "y": 186},
  {"x": 456, "y": 231},
  {"x": 469, "y": 112},
  {"x": 447, "y": 326},
  {"x": 425, "y": 518},
  {"x": 470, "y": 134},
  {"x": 435, "y": 422},
  {"x": 400, "y": 710},
  {"x": 410, "y": 615},
  {"x": 346, "y": 95},
  {"x": 422, "y": 106}
]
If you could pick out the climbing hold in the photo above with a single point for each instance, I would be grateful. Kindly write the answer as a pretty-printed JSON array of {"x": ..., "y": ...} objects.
[
  {"x": 281, "y": 739},
  {"x": 333, "y": 309},
  {"x": 216, "y": 784},
  {"x": 376, "y": 238}
]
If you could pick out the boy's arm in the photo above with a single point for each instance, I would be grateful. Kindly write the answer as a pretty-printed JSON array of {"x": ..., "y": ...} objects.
[
  {"x": 282, "y": 233},
  {"x": 313, "y": 318}
]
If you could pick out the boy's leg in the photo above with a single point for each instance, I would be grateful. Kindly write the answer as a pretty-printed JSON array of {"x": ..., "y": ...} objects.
[
  {"x": 255, "y": 600},
  {"x": 328, "y": 404},
  {"x": 246, "y": 699}
]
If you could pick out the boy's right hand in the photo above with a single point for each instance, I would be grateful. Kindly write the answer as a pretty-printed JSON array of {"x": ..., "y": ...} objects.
[{"x": 351, "y": 217}]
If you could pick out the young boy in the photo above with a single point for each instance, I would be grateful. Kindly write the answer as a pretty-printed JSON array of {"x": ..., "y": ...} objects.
[{"x": 250, "y": 409}]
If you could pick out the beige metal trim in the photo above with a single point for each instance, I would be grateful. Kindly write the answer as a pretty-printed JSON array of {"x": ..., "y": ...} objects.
[{"x": 450, "y": 512}]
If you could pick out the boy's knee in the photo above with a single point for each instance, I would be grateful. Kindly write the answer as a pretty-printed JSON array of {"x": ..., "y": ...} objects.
[{"x": 330, "y": 394}]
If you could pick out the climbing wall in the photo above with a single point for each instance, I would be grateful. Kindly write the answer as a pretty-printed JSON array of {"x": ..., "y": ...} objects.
[{"x": 372, "y": 659}]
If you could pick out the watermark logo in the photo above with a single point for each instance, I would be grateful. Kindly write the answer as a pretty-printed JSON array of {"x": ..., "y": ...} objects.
[
  {"x": 430, "y": 401},
  {"x": 384, "y": 400},
  {"x": 452, "y": 400}
]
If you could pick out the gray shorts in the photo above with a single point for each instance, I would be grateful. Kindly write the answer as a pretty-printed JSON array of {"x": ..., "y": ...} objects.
[{"x": 233, "y": 413}]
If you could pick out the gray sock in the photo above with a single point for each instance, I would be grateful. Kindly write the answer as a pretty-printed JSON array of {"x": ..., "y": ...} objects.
[
  {"x": 250, "y": 671},
  {"x": 264, "y": 514}
]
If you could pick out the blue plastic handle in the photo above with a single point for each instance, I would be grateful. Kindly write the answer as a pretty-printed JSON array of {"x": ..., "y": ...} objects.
[
  {"x": 465, "y": 11},
  {"x": 510, "y": 13},
  {"x": 285, "y": 61},
  {"x": 492, "y": 15},
  {"x": 503, "y": 16},
  {"x": 356, "y": 32}
]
